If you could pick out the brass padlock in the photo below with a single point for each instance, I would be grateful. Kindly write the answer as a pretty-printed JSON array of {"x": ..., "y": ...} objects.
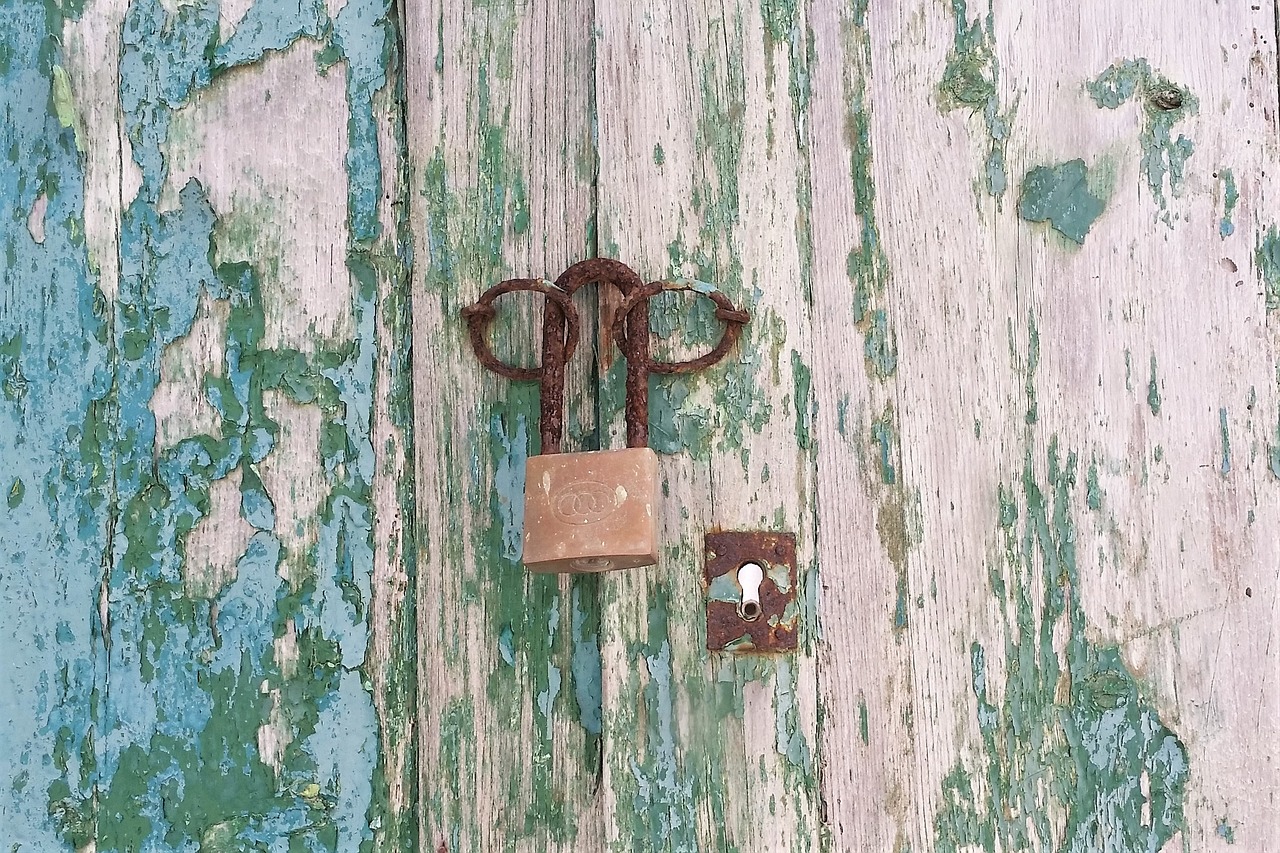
[{"x": 597, "y": 510}]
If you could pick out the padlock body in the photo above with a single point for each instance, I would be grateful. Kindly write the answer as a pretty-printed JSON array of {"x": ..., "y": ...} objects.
[{"x": 591, "y": 512}]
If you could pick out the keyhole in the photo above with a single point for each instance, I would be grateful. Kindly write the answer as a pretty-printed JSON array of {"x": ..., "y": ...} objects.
[{"x": 749, "y": 578}]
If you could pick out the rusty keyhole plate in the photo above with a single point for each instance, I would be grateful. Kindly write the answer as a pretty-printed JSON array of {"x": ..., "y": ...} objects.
[{"x": 775, "y": 629}]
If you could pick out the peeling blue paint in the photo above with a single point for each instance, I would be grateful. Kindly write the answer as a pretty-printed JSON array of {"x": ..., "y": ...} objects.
[
  {"x": 511, "y": 453},
  {"x": 664, "y": 797},
  {"x": 171, "y": 691},
  {"x": 587, "y": 670},
  {"x": 54, "y": 521}
]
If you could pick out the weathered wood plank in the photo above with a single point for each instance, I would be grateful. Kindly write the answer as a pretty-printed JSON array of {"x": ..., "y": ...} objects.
[
  {"x": 701, "y": 113},
  {"x": 245, "y": 328},
  {"x": 499, "y": 105},
  {"x": 1072, "y": 491}
]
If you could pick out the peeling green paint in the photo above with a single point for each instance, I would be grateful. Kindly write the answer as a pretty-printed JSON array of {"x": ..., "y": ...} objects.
[
  {"x": 805, "y": 403},
  {"x": 971, "y": 80},
  {"x": 867, "y": 265},
  {"x": 1062, "y": 196},
  {"x": 1163, "y": 104},
  {"x": 662, "y": 795},
  {"x": 64, "y": 105},
  {"x": 190, "y": 679},
  {"x": 895, "y": 538},
  {"x": 1153, "y": 389},
  {"x": 885, "y": 440},
  {"x": 1073, "y": 756},
  {"x": 790, "y": 741},
  {"x": 1093, "y": 492},
  {"x": 1033, "y": 362},
  {"x": 1275, "y": 448},
  {"x": 1230, "y": 198},
  {"x": 1267, "y": 259}
]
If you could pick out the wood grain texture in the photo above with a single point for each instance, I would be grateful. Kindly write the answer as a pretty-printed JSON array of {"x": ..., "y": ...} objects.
[
  {"x": 499, "y": 106},
  {"x": 710, "y": 751},
  {"x": 1080, "y": 435}
]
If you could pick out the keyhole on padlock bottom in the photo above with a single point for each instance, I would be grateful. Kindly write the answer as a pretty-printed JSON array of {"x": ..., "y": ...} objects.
[{"x": 749, "y": 578}]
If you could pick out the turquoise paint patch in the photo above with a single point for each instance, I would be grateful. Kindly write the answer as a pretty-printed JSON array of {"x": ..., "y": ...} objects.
[
  {"x": 1061, "y": 196},
  {"x": 1230, "y": 198},
  {"x": 270, "y": 26},
  {"x": 185, "y": 684},
  {"x": 1226, "y": 831},
  {"x": 547, "y": 696},
  {"x": 664, "y": 802},
  {"x": 724, "y": 588},
  {"x": 1163, "y": 105},
  {"x": 1267, "y": 259},
  {"x": 790, "y": 741},
  {"x": 510, "y": 455},
  {"x": 506, "y": 645},
  {"x": 586, "y": 667},
  {"x": 1074, "y": 733},
  {"x": 1224, "y": 467}
]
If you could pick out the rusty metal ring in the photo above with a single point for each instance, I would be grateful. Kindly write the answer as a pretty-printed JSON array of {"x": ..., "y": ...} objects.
[
  {"x": 733, "y": 319},
  {"x": 481, "y": 314}
]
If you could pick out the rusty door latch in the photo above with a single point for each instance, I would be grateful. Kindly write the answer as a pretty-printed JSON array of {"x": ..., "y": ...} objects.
[{"x": 593, "y": 511}]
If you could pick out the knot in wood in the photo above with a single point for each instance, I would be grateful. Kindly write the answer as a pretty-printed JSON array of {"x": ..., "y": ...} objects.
[{"x": 1167, "y": 98}]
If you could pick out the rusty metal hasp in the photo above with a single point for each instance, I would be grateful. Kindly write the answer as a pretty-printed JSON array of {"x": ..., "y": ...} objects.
[{"x": 597, "y": 510}]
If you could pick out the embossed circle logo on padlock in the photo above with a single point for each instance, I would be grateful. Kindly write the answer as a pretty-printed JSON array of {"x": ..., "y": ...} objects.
[{"x": 586, "y": 502}]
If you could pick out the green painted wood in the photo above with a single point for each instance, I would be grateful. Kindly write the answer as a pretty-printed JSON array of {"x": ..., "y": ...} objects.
[
  {"x": 1012, "y": 379},
  {"x": 500, "y": 142},
  {"x": 169, "y": 697},
  {"x": 712, "y": 751}
]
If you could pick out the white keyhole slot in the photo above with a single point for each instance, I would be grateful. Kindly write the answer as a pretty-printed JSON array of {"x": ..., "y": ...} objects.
[{"x": 749, "y": 578}]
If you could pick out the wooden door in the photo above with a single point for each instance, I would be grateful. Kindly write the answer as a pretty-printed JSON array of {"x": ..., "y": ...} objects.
[{"x": 1012, "y": 380}]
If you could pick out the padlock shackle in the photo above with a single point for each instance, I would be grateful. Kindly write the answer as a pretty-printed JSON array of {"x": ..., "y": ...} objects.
[
  {"x": 549, "y": 374},
  {"x": 732, "y": 318},
  {"x": 629, "y": 329},
  {"x": 635, "y": 350}
]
